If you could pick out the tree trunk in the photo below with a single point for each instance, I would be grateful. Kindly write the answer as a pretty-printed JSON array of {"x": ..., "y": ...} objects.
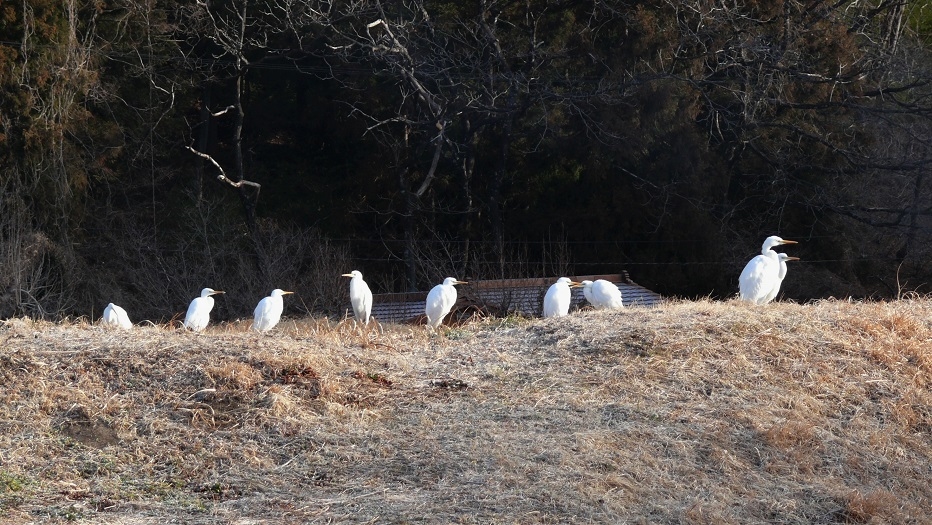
[
  {"x": 495, "y": 198},
  {"x": 408, "y": 225},
  {"x": 911, "y": 230},
  {"x": 469, "y": 168},
  {"x": 203, "y": 139},
  {"x": 408, "y": 222}
]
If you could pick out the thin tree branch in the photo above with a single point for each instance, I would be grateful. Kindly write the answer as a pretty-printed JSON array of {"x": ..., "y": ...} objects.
[{"x": 222, "y": 176}]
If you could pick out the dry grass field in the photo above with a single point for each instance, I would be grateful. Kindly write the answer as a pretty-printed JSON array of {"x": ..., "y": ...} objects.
[{"x": 692, "y": 412}]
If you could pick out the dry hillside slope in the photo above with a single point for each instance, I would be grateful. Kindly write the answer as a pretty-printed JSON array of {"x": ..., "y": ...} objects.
[{"x": 692, "y": 412}]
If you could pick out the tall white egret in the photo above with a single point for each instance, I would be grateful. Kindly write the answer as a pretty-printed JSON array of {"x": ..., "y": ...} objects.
[
  {"x": 269, "y": 311},
  {"x": 762, "y": 272},
  {"x": 557, "y": 300},
  {"x": 440, "y": 301},
  {"x": 782, "y": 257},
  {"x": 360, "y": 296},
  {"x": 116, "y": 316},
  {"x": 602, "y": 294},
  {"x": 199, "y": 310}
]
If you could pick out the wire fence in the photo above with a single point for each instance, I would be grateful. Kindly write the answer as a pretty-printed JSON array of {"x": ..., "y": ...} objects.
[{"x": 397, "y": 245}]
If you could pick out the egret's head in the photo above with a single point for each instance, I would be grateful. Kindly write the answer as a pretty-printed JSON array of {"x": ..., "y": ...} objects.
[
  {"x": 586, "y": 284},
  {"x": 278, "y": 292},
  {"x": 774, "y": 240},
  {"x": 207, "y": 292},
  {"x": 569, "y": 282},
  {"x": 450, "y": 281},
  {"x": 354, "y": 274}
]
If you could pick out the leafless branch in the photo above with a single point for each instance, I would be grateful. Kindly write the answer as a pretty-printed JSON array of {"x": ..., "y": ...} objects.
[
  {"x": 222, "y": 176},
  {"x": 223, "y": 111}
]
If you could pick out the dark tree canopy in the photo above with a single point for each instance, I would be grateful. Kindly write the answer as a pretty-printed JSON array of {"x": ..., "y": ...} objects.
[{"x": 153, "y": 148}]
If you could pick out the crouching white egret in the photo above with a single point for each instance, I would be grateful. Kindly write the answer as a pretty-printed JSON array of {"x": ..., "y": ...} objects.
[
  {"x": 782, "y": 257},
  {"x": 199, "y": 310},
  {"x": 440, "y": 301},
  {"x": 557, "y": 300},
  {"x": 116, "y": 316},
  {"x": 360, "y": 296},
  {"x": 269, "y": 311},
  {"x": 762, "y": 272},
  {"x": 602, "y": 294}
]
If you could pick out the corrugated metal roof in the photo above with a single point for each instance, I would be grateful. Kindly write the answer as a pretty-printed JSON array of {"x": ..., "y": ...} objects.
[{"x": 504, "y": 296}]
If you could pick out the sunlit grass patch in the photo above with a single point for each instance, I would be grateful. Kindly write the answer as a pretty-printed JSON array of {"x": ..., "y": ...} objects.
[{"x": 701, "y": 412}]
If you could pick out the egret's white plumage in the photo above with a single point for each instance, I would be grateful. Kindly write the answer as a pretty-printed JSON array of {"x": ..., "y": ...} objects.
[
  {"x": 762, "y": 273},
  {"x": 199, "y": 310},
  {"x": 269, "y": 311},
  {"x": 782, "y": 257},
  {"x": 440, "y": 301},
  {"x": 557, "y": 300},
  {"x": 360, "y": 296},
  {"x": 602, "y": 294},
  {"x": 116, "y": 316}
]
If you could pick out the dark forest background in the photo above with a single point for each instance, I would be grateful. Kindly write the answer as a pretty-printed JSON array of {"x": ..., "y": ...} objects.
[{"x": 151, "y": 148}]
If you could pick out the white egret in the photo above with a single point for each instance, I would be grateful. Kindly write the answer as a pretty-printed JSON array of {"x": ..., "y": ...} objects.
[
  {"x": 116, "y": 316},
  {"x": 557, "y": 300},
  {"x": 199, "y": 310},
  {"x": 762, "y": 272},
  {"x": 602, "y": 294},
  {"x": 360, "y": 296},
  {"x": 440, "y": 301},
  {"x": 782, "y": 257},
  {"x": 269, "y": 311}
]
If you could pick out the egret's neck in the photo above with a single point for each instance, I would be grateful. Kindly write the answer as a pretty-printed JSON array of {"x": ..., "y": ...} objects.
[{"x": 767, "y": 248}]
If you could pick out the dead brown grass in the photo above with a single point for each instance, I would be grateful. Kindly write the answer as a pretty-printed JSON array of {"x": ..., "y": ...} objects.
[{"x": 693, "y": 412}]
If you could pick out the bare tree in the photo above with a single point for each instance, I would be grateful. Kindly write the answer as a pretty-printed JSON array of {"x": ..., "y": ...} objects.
[
  {"x": 51, "y": 70},
  {"x": 463, "y": 76},
  {"x": 240, "y": 37}
]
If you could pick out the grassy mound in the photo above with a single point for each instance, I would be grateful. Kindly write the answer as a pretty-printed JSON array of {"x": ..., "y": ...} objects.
[{"x": 692, "y": 412}]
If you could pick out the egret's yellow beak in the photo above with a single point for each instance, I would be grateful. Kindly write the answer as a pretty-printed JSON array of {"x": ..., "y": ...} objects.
[
  {"x": 347, "y": 275},
  {"x": 792, "y": 258},
  {"x": 217, "y": 291},
  {"x": 284, "y": 293},
  {"x": 461, "y": 282},
  {"x": 784, "y": 241},
  {"x": 574, "y": 284}
]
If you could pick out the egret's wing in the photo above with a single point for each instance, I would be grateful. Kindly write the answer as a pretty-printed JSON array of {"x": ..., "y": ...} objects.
[
  {"x": 616, "y": 301},
  {"x": 199, "y": 313},
  {"x": 190, "y": 318},
  {"x": 261, "y": 315},
  {"x": 554, "y": 301},
  {"x": 361, "y": 300},
  {"x": 607, "y": 294},
  {"x": 550, "y": 305},
  {"x": 367, "y": 302},
  {"x": 109, "y": 315},
  {"x": 563, "y": 301},
  {"x": 600, "y": 293},
  {"x": 757, "y": 279},
  {"x": 772, "y": 294},
  {"x": 434, "y": 304},
  {"x": 122, "y": 318}
]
